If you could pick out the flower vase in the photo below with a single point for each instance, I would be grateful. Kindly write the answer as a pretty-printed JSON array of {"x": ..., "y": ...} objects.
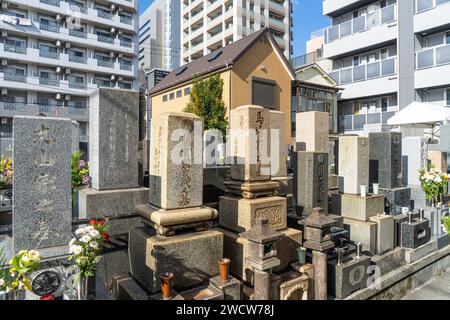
[{"x": 82, "y": 288}]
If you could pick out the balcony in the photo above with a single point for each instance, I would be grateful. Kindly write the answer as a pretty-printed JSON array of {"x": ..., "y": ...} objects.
[
  {"x": 431, "y": 14},
  {"x": 78, "y": 33},
  {"x": 10, "y": 109},
  {"x": 335, "y": 7},
  {"x": 277, "y": 7},
  {"x": 362, "y": 32},
  {"x": 77, "y": 8},
  {"x": 15, "y": 48},
  {"x": 126, "y": 43},
  {"x": 77, "y": 85},
  {"x": 126, "y": 66},
  {"x": 106, "y": 39},
  {"x": 54, "y": 3},
  {"x": 307, "y": 59},
  {"x": 78, "y": 59},
  {"x": 104, "y": 14},
  {"x": 49, "y": 27},
  {"x": 358, "y": 121},
  {"x": 105, "y": 63},
  {"x": 9, "y": 76},
  {"x": 126, "y": 20},
  {"x": 13, "y": 105},
  {"x": 49, "y": 82},
  {"x": 48, "y": 54},
  {"x": 432, "y": 67}
]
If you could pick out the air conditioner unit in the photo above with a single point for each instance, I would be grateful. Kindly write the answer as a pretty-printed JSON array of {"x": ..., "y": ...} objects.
[
  {"x": 113, "y": 77},
  {"x": 67, "y": 97},
  {"x": 4, "y": 5},
  {"x": 58, "y": 96},
  {"x": 4, "y": 91},
  {"x": 67, "y": 45},
  {"x": 4, "y": 33},
  {"x": 58, "y": 43},
  {"x": 58, "y": 69},
  {"x": 67, "y": 70}
]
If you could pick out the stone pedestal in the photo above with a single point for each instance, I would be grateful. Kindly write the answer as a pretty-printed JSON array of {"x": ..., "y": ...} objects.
[
  {"x": 413, "y": 255},
  {"x": 319, "y": 260},
  {"x": 361, "y": 208},
  {"x": 353, "y": 163},
  {"x": 110, "y": 203},
  {"x": 385, "y": 232},
  {"x": 364, "y": 232},
  {"x": 312, "y": 131},
  {"x": 333, "y": 182},
  {"x": 191, "y": 257},
  {"x": 231, "y": 290},
  {"x": 396, "y": 199},
  {"x": 285, "y": 185},
  {"x": 398, "y": 220},
  {"x": 414, "y": 158},
  {"x": 310, "y": 181},
  {"x": 415, "y": 234},
  {"x": 239, "y": 214},
  {"x": 385, "y": 159},
  {"x": 438, "y": 159},
  {"x": 390, "y": 260},
  {"x": 236, "y": 249},
  {"x": 418, "y": 197},
  {"x": 202, "y": 293},
  {"x": 277, "y": 133},
  {"x": 295, "y": 286}
]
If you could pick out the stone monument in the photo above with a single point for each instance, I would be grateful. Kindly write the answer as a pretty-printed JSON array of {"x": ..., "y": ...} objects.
[{"x": 353, "y": 163}]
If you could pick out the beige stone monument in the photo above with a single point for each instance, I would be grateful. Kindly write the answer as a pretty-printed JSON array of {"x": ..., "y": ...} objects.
[
  {"x": 312, "y": 130},
  {"x": 438, "y": 159},
  {"x": 353, "y": 163}
]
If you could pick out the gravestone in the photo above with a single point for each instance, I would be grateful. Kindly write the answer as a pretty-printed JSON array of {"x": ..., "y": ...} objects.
[
  {"x": 438, "y": 159},
  {"x": 42, "y": 216},
  {"x": 353, "y": 163},
  {"x": 278, "y": 156},
  {"x": 312, "y": 131},
  {"x": 444, "y": 142},
  {"x": 415, "y": 157},
  {"x": 310, "y": 181},
  {"x": 385, "y": 156}
]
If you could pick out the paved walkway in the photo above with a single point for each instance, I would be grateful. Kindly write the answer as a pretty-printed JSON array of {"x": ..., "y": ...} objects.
[{"x": 438, "y": 288}]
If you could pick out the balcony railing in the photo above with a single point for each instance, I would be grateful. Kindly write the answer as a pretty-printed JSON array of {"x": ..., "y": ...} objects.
[
  {"x": 49, "y": 27},
  {"x": 51, "y": 2},
  {"x": 125, "y": 43},
  {"x": 126, "y": 20},
  {"x": 77, "y": 33},
  {"x": 15, "y": 48},
  {"x": 77, "y": 85},
  {"x": 106, "y": 39},
  {"x": 382, "y": 68},
  {"x": 104, "y": 14},
  {"x": 358, "y": 121},
  {"x": 9, "y": 76},
  {"x": 105, "y": 63},
  {"x": 306, "y": 59},
  {"x": 77, "y": 110},
  {"x": 46, "y": 108},
  {"x": 103, "y": 83},
  {"x": 13, "y": 105},
  {"x": 77, "y": 59},
  {"x": 433, "y": 57},
  {"x": 48, "y": 54},
  {"x": 78, "y": 8},
  {"x": 424, "y": 5},
  {"x": 49, "y": 82},
  {"x": 362, "y": 23},
  {"x": 126, "y": 66}
]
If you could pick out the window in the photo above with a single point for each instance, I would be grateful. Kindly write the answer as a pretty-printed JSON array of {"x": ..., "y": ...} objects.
[
  {"x": 448, "y": 97},
  {"x": 263, "y": 92},
  {"x": 384, "y": 104},
  {"x": 165, "y": 98},
  {"x": 356, "y": 61},
  {"x": 356, "y": 107},
  {"x": 187, "y": 91},
  {"x": 179, "y": 93},
  {"x": 171, "y": 96},
  {"x": 447, "y": 37}
]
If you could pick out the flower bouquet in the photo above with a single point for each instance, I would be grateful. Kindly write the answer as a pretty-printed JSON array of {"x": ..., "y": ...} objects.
[
  {"x": 80, "y": 171},
  {"x": 85, "y": 249},
  {"x": 6, "y": 173},
  {"x": 434, "y": 183},
  {"x": 446, "y": 223},
  {"x": 14, "y": 278}
]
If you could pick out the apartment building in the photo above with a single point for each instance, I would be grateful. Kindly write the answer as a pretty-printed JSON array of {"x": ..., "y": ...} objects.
[
  {"x": 208, "y": 25},
  {"x": 387, "y": 54},
  {"x": 159, "y": 36},
  {"x": 314, "y": 53},
  {"x": 54, "y": 53}
]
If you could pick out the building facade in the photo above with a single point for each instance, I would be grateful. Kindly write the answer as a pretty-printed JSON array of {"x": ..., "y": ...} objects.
[
  {"x": 159, "y": 36},
  {"x": 208, "y": 25},
  {"x": 387, "y": 54},
  {"x": 55, "y": 53}
]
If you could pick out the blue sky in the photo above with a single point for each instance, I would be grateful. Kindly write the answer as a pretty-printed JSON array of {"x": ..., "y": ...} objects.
[{"x": 307, "y": 18}]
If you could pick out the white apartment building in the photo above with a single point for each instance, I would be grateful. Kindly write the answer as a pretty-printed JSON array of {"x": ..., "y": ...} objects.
[
  {"x": 54, "y": 53},
  {"x": 387, "y": 54},
  {"x": 208, "y": 25},
  {"x": 159, "y": 36}
]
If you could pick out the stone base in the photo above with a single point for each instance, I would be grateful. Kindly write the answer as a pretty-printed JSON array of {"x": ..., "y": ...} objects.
[
  {"x": 396, "y": 199},
  {"x": 251, "y": 190},
  {"x": 239, "y": 214},
  {"x": 416, "y": 234},
  {"x": 295, "y": 286},
  {"x": 333, "y": 182},
  {"x": 284, "y": 185},
  {"x": 191, "y": 257},
  {"x": 348, "y": 277},
  {"x": 106, "y": 203},
  {"x": 231, "y": 290},
  {"x": 413, "y": 255},
  {"x": 385, "y": 232},
  {"x": 128, "y": 289},
  {"x": 235, "y": 248},
  {"x": 418, "y": 196},
  {"x": 361, "y": 208},
  {"x": 435, "y": 215},
  {"x": 202, "y": 293},
  {"x": 398, "y": 220},
  {"x": 390, "y": 260},
  {"x": 442, "y": 241},
  {"x": 364, "y": 232},
  {"x": 167, "y": 222}
]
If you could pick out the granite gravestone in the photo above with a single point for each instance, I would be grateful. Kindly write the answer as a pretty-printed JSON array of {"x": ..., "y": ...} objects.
[
  {"x": 42, "y": 216},
  {"x": 353, "y": 163},
  {"x": 310, "y": 181},
  {"x": 385, "y": 156},
  {"x": 278, "y": 168},
  {"x": 415, "y": 157}
]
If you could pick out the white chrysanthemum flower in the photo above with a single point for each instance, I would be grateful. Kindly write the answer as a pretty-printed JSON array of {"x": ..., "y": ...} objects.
[
  {"x": 25, "y": 258},
  {"x": 34, "y": 255},
  {"x": 94, "y": 245},
  {"x": 94, "y": 233},
  {"x": 75, "y": 249},
  {"x": 86, "y": 238},
  {"x": 97, "y": 259},
  {"x": 2, "y": 282}
]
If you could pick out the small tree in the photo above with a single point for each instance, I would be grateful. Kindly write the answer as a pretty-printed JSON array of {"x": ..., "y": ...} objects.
[{"x": 206, "y": 102}]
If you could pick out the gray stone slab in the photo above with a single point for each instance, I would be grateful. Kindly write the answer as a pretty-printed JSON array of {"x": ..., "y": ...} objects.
[
  {"x": 310, "y": 181},
  {"x": 414, "y": 158},
  {"x": 353, "y": 163},
  {"x": 364, "y": 232},
  {"x": 385, "y": 156},
  {"x": 390, "y": 260},
  {"x": 42, "y": 215},
  {"x": 396, "y": 199},
  {"x": 110, "y": 203},
  {"x": 416, "y": 234},
  {"x": 413, "y": 255},
  {"x": 113, "y": 139},
  {"x": 231, "y": 290}
]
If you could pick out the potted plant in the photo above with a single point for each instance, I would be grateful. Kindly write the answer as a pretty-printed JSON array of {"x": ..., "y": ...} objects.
[
  {"x": 85, "y": 249},
  {"x": 434, "y": 182},
  {"x": 13, "y": 277}
]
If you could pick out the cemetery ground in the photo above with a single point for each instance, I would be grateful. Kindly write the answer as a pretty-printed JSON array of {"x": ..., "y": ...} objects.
[{"x": 328, "y": 218}]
